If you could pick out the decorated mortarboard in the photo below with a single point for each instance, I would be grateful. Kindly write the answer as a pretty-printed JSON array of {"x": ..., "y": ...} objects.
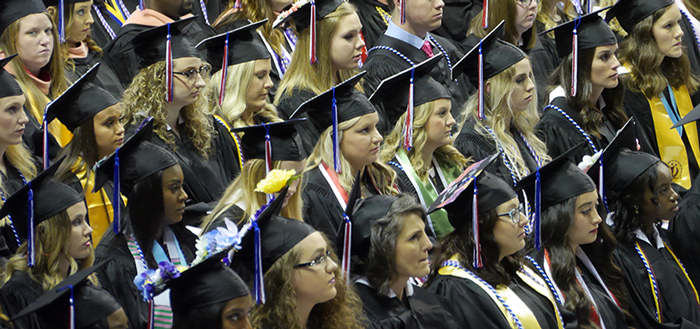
[
  {"x": 488, "y": 58},
  {"x": 631, "y": 12},
  {"x": 305, "y": 14},
  {"x": 487, "y": 192},
  {"x": 164, "y": 43},
  {"x": 61, "y": 7},
  {"x": 583, "y": 32},
  {"x": 403, "y": 91},
  {"x": 338, "y": 104},
  {"x": 8, "y": 83},
  {"x": 37, "y": 201},
  {"x": 74, "y": 303},
  {"x": 135, "y": 160},
  {"x": 13, "y": 10}
]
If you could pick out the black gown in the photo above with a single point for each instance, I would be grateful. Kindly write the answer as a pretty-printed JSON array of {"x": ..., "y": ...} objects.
[
  {"x": 17, "y": 294},
  {"x": 426, "y": 310},
  {"x": 472, "y": 144},
  {"x": 677, "y": 300},
  {"x": 690, "y": 44},
  {"x": 99, "y": 32},
  {"x": 457, "y": 15},
  {"x": 307, "y": 131},
  {"x": 105, "y": 77},
  {"x": 375, "y": 17},
  {"x": 684, "y": 232},
  {"x": 8, "y": 243},
  {"x": 561, "y": 135}
]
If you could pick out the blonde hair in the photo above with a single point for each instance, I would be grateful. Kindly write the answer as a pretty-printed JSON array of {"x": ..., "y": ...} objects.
[
  {"x": 344, "y": 311},
  {"x": 19, "y": 157},
  {"x": 146, "y": 96},
  {"x": 545, "y": 17},
  {"x": 323, "y": 152},
  {"x": 243, "y": 188},
  {"x": 497, "y": 108},
  {"x": 614, "y": 24},
  {"x": 255, "y": 11},
  {"x": 445, "y": 154},
  {"x": 318, "y": 77},
  {"x": 36, "y": 100},
  {"x": 51, "y": 243}
]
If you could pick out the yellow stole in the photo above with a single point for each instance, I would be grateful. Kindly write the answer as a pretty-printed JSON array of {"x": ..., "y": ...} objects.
[
  {"x": 99, "y": 206},
  {"x": 236, "y": 139}
]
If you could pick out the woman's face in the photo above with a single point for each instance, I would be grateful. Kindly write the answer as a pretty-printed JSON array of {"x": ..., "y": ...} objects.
[
  {"x": 586, "y": 219},
  {"x": 314, "y": 284},
  {"x": 35, "y": 41},
  {"x": 12, "y": 120},
  {"x": 360, "y": 143},
  {"x": 346, "y": 44},
  {"x": 187, "y": 80},
  {"x": 298, "y": 167},
  {"x": 509, "y": 236},
  {"x": 109, "y": 132},
  {"x": 439, "y": 125},
  {"x": 525, "y": 14},
  {"x": 79, "y": 245},
  {"x": 412, "y": 246},
  {"x": 666, "y": 206},
  {"x": 82, "y": 20},
  {"x": 235, "y": 313},
  {"x": 174, "y": 195},
  {"x": 668, "y": 33},
  {"x": 604, "y": 67},
  {"x": 524, "y": 90},
  {"x": 260, "y": 84}
]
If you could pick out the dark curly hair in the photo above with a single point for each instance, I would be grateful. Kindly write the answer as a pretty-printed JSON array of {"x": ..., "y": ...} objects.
[{"x": 625, "y": 207}]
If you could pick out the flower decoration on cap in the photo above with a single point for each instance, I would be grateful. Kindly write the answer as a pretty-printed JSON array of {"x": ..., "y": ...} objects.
[
  {"x": 147, "y": 281},
  {"x": 588, "y": 161},
  {"x": 276, "y": 180},
  {"x": 216, "y": 241},
  {"x": 283, "y": 15}
]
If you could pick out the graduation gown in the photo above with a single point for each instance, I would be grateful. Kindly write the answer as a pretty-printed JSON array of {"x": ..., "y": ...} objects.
[
  {"x": 307, "y": 131},
  {"x": 105, "y": 77},
  {"x": 457, "y": 15},
  {"x": 375, "y": 17},
  {"x": 11, "y": 182},
  {"x": 472, "y": 144},
  {"x": 17, "y": 294},
  {"x": 424, "y": 310},
  {"x": 684, "y": 232},
  {"x": 101, "y": 33},
  {"x": 561, "y": 135},
  {"x": 677, "y": 299},
  {"x": 33, "y": 138},
  {"x": 690, "y": 43}
]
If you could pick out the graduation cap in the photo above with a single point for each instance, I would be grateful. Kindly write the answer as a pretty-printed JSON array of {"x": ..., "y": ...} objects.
[
  {"x": 488, "y": 192},
  {"x": 135, "y": 160},
  {"x": 13, "y": 10},
  {"x": 488, "y": 58},
  {"x": 164, "y": 43},
  {"x": 61, "y": 4},
  {"x": 275, "y": 141},
  {"x": 626, "y": 167},
  {"x": 557, "y": 181},
  {"x": 631, "y": 12},
  {"x": 8, "y": 83},
  {"x": 206, "y": 283},
  {"x": 306, "y": 15},
  {"x": 583, "y": 32},
  {"x": 73, "y": 303},
  {"x": 406, "y": 90},
  {"x": 37, "y": 201},
  {"x": 273, "y": 237},
  {"x": 344, "y": 102}
]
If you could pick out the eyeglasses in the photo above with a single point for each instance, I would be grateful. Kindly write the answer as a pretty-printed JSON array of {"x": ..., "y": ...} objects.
[
  {"x": 526, "y": 3},
  {"x": 191, "y": 75},
  {"x": 514, "y": 214},
  {"x": 320, "y": 260}
]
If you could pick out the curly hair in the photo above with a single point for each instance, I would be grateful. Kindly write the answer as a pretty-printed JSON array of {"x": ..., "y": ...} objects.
[
  {"x": 344, "y": 311},
  {"x": 591, "y": 116},
  {"x": 650, "y": 70},
  {"x": 444, "y": 154},
  {"x": 625, "y": 207},
  {"x": 145, "y": 97}
]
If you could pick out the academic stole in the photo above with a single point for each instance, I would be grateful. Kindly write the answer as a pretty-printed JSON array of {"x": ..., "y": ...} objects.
[
  {"x": 671, "y": 147},
  {"x": 236, "y": 140},
  {"x": 116, "y": 11},
  {"x": 427, "y": 193},
  {"x": 99, "y": 206},
  {"x": 332, "y": 179}
]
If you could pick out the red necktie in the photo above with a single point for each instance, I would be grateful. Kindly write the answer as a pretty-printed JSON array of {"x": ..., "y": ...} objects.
[{"x": 427, "y": 48}]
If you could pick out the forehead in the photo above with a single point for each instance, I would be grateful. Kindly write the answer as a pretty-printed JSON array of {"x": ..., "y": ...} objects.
[
  {"x": 187, "y": 63},
  {"x": 311, "y": 244},
  {"x": 522, "y": 67},
  {"x": 39, "y": 20}
]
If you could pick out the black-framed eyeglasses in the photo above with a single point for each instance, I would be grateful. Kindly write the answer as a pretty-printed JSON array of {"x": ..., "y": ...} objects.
[
  {"x": 191, "y": 75},
  {"x": 526, "y": 3},
  {"x": 320, "y": 260},
  {"x": 515, "y": 214}
]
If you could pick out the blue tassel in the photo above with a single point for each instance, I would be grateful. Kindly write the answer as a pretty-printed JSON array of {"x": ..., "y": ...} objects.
[
  {"x": 31, "y": 257},
  {"x": 538, "y": 209},
  {"x": 601, "y": 185},
  {"x": 259, "y": 283},
  {"x": 117, "y": 194},
  {"x": 61, "y": 21},
  {"x": 45, "y": 140},
  {"x": 476, "y": 234},
  {"x": 336, "y": 141}
]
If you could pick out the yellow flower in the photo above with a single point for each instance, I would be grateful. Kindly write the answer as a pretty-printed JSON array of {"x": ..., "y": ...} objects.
[{"x": 275, "y": 181}]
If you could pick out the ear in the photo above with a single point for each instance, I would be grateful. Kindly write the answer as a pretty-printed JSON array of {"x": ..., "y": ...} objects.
[
  {"x": 487, "y": 87},
  {"x": 51, "y": 10}
]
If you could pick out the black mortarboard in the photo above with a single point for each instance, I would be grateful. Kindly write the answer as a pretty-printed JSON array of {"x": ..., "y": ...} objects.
[
  {"x": 627, "y": 166},
  {"x": 284, "y": 140},
  {"x": 8, "y": 83},
  {"x": 693, "y": 115},
  {"x": 150, "y": 45},
  {"x": 243, "y": 46},
  {"x": 82, "y": 101},
  {"x": 631, "y": 12},
  {"x": 591, "y": 30},
  {"x": 204, "y": 284},
  {"x": 91, "y": 304},
  {"x": 13, "y": 10}
]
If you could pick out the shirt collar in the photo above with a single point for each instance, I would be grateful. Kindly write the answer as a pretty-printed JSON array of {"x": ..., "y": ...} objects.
[
  {"x": 641, "y": 236},
  {"x": 391, "y": 294},
  {"x": 398, "y": 33}
]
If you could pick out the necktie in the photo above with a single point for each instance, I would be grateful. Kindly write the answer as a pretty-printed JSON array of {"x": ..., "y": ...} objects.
[{"x": 427, "y": 48}]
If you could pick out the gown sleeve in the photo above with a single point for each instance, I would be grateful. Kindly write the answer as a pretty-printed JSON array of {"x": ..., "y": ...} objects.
[
  {"x": 17, "y": 294},
  {"x": 287, "y": 105},
  {"x": 321, "y": 209}
]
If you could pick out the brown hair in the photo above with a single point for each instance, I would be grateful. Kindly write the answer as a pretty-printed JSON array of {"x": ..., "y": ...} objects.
[
  {"x": 503, "y": 10},
  {"x": 254, "y": 11}
]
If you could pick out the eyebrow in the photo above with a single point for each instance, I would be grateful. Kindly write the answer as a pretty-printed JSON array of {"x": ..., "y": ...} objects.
[
  {"x": 175, "y": 180},
  {"x": 585, "y": 204},
  {"x": 319, "y": 250}
]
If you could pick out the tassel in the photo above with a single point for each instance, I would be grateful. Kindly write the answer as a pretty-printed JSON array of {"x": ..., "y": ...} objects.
[
  {"x": 238, "y": 5},
  {"x": 485, "y": 15},
  {"x": 142, "y": 5},
  {"x": 151, "y": 313},
  {"x": 205, "y": 13},
  {"x": 61, "y": 21},
  {"x": 347, "y": 246},
  {"x": 312, "y": 30},
  {"x": 268, "y": 156},
  {"x": 117, "y": 194},
  {"x": 478, "y": 262},
  {"x": 480, "y": 100},
  {"x": 574, "y": 60},
  {"x": 538, "y": 208},
  {"x": 577, "y": 6},
  {"x": 45, "y": 139},
  {"x": 601, "y": 185},
  {"x": 224, "y": 73},
  {"x": 408, "y": 128},
  {"x": 71, "y": 308},
  {"x": 402, "y": 11},
  {"x": 31, "y": 247},
  {"x": 336, "y": 141},
  {"x": 259, "y": 283},
  {"x": 169, "y": 67}
]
